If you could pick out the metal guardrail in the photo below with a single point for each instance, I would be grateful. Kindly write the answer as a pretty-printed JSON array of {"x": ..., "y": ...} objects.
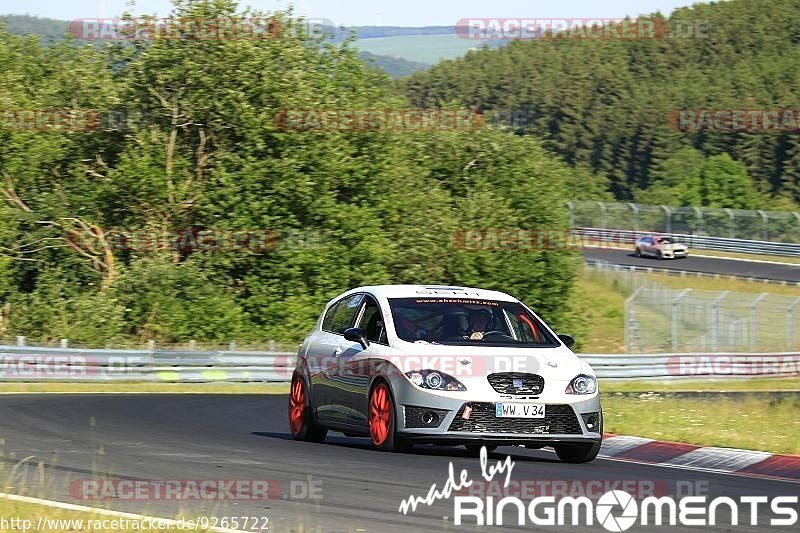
[
  {"x": 37, "y": 364},
  {"x": 622, "y": 237}
]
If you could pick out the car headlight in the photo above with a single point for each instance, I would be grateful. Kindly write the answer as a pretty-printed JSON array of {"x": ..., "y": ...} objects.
[
  {"x": 434, "y": 380},
  {"x": 582, "y": 384}
]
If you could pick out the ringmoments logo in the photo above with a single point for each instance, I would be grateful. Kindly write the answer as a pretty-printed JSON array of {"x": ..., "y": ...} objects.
[{"x": 615, "y": 510}]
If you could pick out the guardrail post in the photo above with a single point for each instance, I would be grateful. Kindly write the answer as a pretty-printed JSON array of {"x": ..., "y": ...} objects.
[
  {"x": 754, "y": 319},
  {"x": 64, "y": 343},
  {"x": 20, "y": 340},
  {"x": 271, "y": 346},
  {"x": 151, "y": 345},
  {"x": 192, "y": 345},
  {"x": 232, "y": 346}
]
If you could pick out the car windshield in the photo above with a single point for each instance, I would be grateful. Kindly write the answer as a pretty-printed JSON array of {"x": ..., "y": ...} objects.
[
  {"x": 667, "y": 240},
  {"x": 465, "y": 321}
]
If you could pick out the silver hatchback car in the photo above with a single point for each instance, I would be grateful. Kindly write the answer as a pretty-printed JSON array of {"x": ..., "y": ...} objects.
[{"x": 405, "y": 364}]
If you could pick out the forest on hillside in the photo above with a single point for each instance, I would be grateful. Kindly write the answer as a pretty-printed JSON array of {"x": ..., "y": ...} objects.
[{"x": 605, "y": 104}]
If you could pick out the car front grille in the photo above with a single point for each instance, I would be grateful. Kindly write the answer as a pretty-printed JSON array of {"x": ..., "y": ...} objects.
[
  {"x": 503, "y": 382},
  {"x": 558, "y": 420}
]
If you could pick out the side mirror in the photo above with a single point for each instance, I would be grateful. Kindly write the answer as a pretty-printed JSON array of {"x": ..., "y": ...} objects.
[
  {"x": 357, "y": 335},
  {"x": 568, "y": 341}
]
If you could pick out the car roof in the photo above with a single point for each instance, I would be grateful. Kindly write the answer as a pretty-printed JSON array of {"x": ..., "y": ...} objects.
[{"x": 431, "y": 291}]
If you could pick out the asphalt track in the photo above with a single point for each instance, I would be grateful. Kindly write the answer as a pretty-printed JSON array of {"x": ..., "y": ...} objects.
[
  {"x": 778, "y": 272},
  {"x": 194, "y": 437}
]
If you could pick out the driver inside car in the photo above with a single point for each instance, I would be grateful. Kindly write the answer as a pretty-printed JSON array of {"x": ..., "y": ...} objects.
[{"x": 479, "y": 323}]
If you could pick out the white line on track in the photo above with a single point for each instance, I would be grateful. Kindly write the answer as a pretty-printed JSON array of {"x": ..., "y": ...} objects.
[{"x": 105, "y": 512}]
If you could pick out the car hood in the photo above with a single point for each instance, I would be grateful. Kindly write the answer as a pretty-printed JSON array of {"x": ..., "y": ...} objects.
[{"x": 557, "y": 363}]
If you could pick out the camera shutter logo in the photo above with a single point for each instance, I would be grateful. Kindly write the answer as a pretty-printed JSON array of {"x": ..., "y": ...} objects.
[{"x": 607, "y": 503}]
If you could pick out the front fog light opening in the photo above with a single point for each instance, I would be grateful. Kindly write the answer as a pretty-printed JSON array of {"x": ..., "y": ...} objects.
[
  {"x": 592, "y": 421},
  {"x": 429, "y": 418}
]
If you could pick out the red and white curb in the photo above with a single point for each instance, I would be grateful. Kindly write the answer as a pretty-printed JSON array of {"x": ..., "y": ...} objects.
[{"x": 706, "y": 458}]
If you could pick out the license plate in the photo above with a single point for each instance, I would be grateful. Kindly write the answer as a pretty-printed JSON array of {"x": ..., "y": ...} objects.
[{"x": 519, "y": 410}]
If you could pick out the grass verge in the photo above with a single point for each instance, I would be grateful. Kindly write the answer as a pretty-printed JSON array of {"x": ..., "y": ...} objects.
[
  {"x": 710, "y": 385},
  {"x": 750, "y": 423}
]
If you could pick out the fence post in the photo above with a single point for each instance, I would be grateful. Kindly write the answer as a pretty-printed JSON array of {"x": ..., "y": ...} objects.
[
  {"x": 630, "y": 320},
  {"x": 731, "y": 221},
  {"x": 675, "y": 303},
  {"x": 764, "y": 225},
  {"x": 667, "y": 219},
  {"x": 603, "y": 218},
  {"x": 20, "y": 340},
  {"x": 715, "y": 321},
  {"x": 64, "y": 343},
  {"x": 571, "y": 210},
  {"x": 635, "y": 210},
  {"x": 151, "y": 345},
  {"x": 790, "y": 324},
  {"x": 699, "y": 213},
  {"x": 754, "y": 319}
]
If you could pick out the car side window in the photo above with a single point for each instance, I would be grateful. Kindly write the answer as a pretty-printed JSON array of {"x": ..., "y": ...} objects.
[
  {"x": 328, "y": 319},
  {"x": 372, "y": 322},
  {"x": 344, "y": 313}
]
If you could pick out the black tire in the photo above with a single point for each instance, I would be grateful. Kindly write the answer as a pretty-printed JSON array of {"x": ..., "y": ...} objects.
[
  {"x": 659, "y": 255},
  {"x": 578, "y": 453},
  {"x": 474, "y": 450},
  {"x": 302, "y": 424},
  {"x": 392, "y": 442},
  {"x": 638, "y": 252}
]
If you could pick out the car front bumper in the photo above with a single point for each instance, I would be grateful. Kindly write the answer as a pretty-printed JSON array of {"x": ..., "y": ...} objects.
[{"x": 436, "y": 418}]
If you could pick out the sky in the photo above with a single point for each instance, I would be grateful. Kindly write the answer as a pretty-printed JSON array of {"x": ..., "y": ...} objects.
[{"x": 365, "y": 12}]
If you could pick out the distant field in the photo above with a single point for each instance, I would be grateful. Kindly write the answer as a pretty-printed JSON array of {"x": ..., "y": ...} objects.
[{"x": 422, "y": 48}]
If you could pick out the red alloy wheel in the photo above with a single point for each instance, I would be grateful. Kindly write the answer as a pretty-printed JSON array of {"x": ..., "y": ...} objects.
[
  {"x": 297, "y": 405},
  {"x": 380, "y": 414}
]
